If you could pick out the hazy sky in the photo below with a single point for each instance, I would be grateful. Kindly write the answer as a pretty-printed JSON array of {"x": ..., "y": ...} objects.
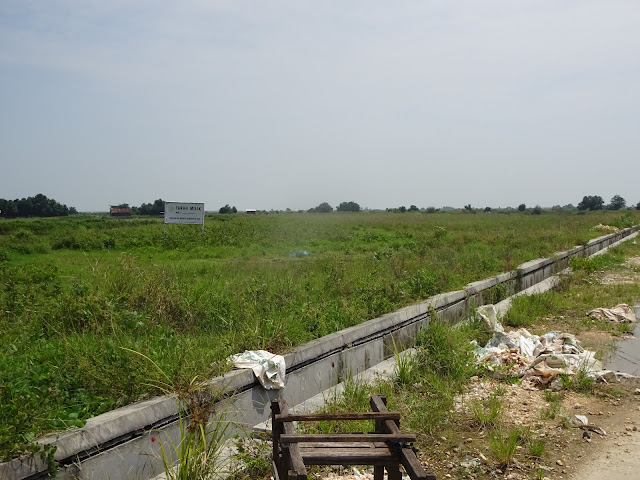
[{"x": 275, "y": 104}]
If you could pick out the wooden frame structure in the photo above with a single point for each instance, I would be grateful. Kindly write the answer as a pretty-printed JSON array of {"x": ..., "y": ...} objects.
[{"x": 386, "y": 448}]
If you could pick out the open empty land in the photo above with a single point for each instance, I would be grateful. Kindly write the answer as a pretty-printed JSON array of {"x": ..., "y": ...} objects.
[{"x": 78, "y": 293}]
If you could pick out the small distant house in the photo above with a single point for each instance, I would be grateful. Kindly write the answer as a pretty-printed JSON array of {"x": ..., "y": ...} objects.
[
  {"x": 120, "y": 212},
  {"x": 252, "y": 211}
]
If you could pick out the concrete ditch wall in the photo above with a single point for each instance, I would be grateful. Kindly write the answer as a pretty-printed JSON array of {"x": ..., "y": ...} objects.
[{"x": 122, "y": 444}]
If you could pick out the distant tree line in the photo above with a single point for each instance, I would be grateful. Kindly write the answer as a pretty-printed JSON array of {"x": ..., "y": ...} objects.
[
  {"x": 324, "y": 207},
  {"x": 348, "y": 207},
  {"x": 228, "y": 209},
  {"x": 155, "y": 208},
  {"x": 38, "y": 206},
  {"x": 595, "y": 202}
]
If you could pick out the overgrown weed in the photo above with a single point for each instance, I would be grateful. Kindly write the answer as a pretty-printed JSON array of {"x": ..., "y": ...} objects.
[
  {"x": 504, "y": 442},
  {"x": 487, "y": 412}
]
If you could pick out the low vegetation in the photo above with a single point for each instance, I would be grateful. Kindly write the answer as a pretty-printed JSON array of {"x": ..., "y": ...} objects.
[
  {"x": 76, "y": 290},
  {"x": 443, "y": 397}
]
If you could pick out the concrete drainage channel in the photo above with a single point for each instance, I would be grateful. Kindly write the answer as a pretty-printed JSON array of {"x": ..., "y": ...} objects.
[{"x": 120, "y": 444}]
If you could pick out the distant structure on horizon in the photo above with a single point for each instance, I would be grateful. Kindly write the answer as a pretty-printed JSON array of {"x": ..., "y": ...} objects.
[
  {"x": 252, "y": 211},
  {"x": 120, "y": 212}
]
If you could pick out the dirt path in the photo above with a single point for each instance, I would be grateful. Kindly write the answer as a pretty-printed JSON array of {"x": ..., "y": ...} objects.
[{"x": 616, "y": 456}]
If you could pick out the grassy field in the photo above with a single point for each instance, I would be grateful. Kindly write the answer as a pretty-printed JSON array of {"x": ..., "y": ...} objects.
[
  {"x": 75, "y": 290},
  {"x": 457, "y": 410}
]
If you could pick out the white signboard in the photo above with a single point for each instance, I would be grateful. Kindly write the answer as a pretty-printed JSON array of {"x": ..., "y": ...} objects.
[{"x": 184, "y": 213}]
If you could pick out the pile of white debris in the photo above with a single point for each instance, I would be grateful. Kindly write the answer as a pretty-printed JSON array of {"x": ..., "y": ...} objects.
[{"x": 540, "y": 360}]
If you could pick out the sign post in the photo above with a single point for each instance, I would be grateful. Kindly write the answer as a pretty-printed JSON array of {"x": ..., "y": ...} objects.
[{"x": 183, "y": 213}]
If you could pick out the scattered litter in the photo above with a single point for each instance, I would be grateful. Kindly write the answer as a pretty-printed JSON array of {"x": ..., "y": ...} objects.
[
  {"x": 299, "y": 253},
  {"x": 621, "y": 313},
  {"x": 268, "y": 368},
  {"x": 609, "y": 376},
  {"x": 489, "y": 317},
  {"x": 538, "y": 360},
  {"x": 633, "y": 261},
  {"x": 607, "y": 228},
  {"x": 581, "y": 421},
  {"x": 470, "y": 462},
  {"x": 355, "y": 475}
]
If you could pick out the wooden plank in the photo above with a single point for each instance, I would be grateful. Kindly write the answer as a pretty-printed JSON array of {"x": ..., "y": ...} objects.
[
  {"x": 378, "y": 472},
  {"x": 292, "y": 475},
  {"x": 344, "y": 445},
  {"x": 276, "y": 431},
  {"x": 297, "y": 463},
  {"x": 347, "y": 456},
  {"x": 291, "y": 457},
  {"x": 393, "y": 472},
  {"x": 315, "y": 417},
  {"x": 348, "y": 437},
  {"x": 378, "y": 404},
  {"x": 412, "y": 465},
  {"x": 407, "y": 456}
]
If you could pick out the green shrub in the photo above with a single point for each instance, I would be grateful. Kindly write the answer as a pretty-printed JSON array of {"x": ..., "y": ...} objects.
[
  {"x": 487, "y": 412},
  {"x": 537, "y": 447},
  {"x": 446, "y": 351},
  {"x": 503, "y": 444}
]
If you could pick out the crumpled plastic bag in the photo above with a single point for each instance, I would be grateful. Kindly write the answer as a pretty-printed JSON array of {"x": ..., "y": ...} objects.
[
  {"x": 268, "y": 368},
  {"x": 621, "y": 313},
  {"x": 489, "y": 317}
]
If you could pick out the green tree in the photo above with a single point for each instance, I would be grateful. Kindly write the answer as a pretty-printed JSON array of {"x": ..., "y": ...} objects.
[
  {"x": 228, "y": 210},
  {"x": 324, "y": 207},
  {"x": 402, "y": 209},
  {"x": 487, "y": 209},
  {"x": 537, "y": 210},
  {"x": 594, "y": 202},
  {"x": 617, "y": 203},
  {"x": 522, "y": 207},
  {"x": 413, "y": 208},
  {"x": 38, "y": 206},
  {"x": 348, "y": 207},
  {"x": 155, "y": 208}
]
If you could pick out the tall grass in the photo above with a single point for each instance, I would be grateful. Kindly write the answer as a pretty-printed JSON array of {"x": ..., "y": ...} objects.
[
  {"x": 443, "y": 363},
  {"x": 75, "y": 290}
]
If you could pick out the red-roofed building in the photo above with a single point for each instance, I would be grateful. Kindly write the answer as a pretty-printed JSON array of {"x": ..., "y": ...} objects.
[{"x": 120, "y": 212}]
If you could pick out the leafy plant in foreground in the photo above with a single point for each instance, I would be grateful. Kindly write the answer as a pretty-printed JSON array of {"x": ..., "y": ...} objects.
[{"x": 198, "y": 454}]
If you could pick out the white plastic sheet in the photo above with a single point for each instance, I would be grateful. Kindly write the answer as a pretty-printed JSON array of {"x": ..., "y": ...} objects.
[
  {"x": 489, "y": 316},
  {"x": 621, "y": 313},
  {"x": 268, "y": 368}
]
